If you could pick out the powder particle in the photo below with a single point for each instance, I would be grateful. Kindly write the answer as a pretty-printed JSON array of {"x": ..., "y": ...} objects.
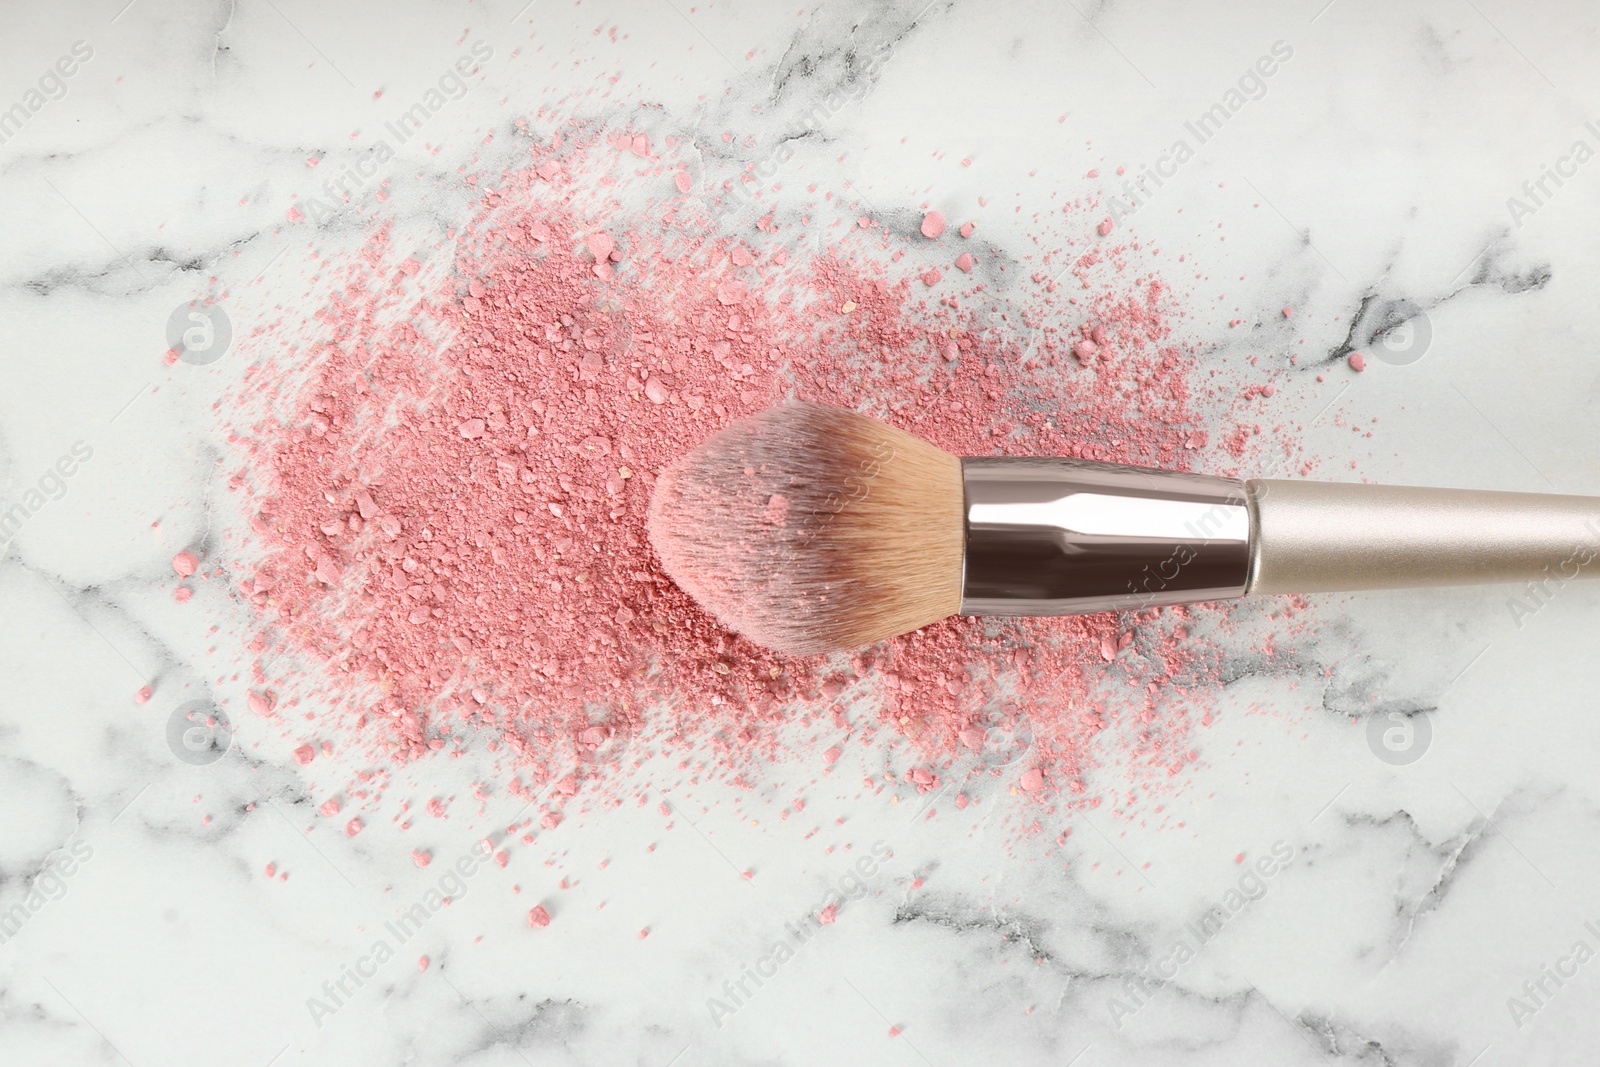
[
  {"x": 932, "y": 277},
  {"x": 964, "y": 262},
  {"x": 682, "y": 181},
  {"x": 304, "y": 754},
  {"x": 966, "y": 229},
  {"x": 330, "y": 807},
  {"x": 185, "y": 564},
  {"x": 420, "y": 857},
  {"x": 422, "y": 963},
  {"x": 353, "y": 827},
  {"x": 143, "y": 695},
  {"x": 600, "y": 245},
  {"x": 827, "y": 915},
  {"x": 538, "y": 917},
  {"x": 183, "y": 594},
  {"x": 1105, "y": 227},
  {"x": 1288, "y": 313},
  {"x": 932, "y": 224},
  {"x": 1358, "y": 362},
  {"x": 1033, "y": 780}
]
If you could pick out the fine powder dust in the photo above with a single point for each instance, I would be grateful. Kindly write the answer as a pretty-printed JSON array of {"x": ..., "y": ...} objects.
[{"x": 448, "y": 516}]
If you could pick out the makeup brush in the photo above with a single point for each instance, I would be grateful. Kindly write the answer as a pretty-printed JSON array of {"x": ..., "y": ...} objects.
[{"x": 810, "y": 529}]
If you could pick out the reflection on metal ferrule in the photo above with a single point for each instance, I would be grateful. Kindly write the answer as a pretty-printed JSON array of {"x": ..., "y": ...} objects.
[{"x": 1050, "y": 536}]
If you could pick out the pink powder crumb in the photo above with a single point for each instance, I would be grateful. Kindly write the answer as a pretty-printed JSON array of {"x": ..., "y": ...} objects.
[
  {"x": 932, "y": 224},
  {"x": 1288, "y": 313},
  {"x": 964, "y": 262},
  {"x": 831, "y": 756},
  {"x": 538, "y": 917},
  {"x": 353, "y": 827},
  {"x": 304, "y": 754},
  {"x": 682, "y": 181},
  {"x": 961, "y": 800},
  {"x": 644, "y": 932},
  {"x": 1358, "y": 362},
  {"x": 143, "y": 695},
  {"x": 827, "y": 915},
  {"x": 185, "y": 564},
  {"x": 330, "y": 807},
  {"x": 183, "y": 594},
  {"x": 435, "y": 807},
  {"x": 1239, "y": 858},
  {"x": 420, "y": 857},
  {"x": 600, "y": 245},
  {"x": 932, "y": 277},
  {"x": 966, "y": 229},
  {"x": 894, "y": 1031},
  {"x": 1105, "y": 228},
  {"x": 294, "y": 214},
  {"x": 170, "y": 356},
  {"x": 1033, "y": 780},
  {"x": 422, "y": 964},
  {"x": 272, "y": 870},
  {"x": 777, "y": 510}
]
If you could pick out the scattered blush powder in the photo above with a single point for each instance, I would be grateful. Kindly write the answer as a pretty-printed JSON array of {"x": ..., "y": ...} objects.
[{"x": 446, "y": 510}]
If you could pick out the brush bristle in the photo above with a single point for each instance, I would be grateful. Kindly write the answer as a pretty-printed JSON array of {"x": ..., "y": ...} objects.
[{"x": 812, "y": 529}]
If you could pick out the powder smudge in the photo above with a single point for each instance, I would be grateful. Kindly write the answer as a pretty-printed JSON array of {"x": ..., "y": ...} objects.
[{"x": 449, "y": 518}]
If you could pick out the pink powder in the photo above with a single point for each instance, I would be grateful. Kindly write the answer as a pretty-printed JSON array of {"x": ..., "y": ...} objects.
[
  {"x": 456, "y": 530},
  {"x": 966, "y": 229},
  {"x": 185, "y": 564},
  {"x": 964, "y": 262},
  {"x": 932, "y": 224},
  {"x": 1358, "y": 362},
  {"x": 183, "y": 594},
  {"x": 538, "y": 917},
  {"x": 420, "y": 857},
  {"x": 353, "y": 827},
  {"x": 827, "y": 915},
  {"x": 330, "y": 807},
  {"x": 143, "y": 695},
  {"x": 422, "y": 963}
]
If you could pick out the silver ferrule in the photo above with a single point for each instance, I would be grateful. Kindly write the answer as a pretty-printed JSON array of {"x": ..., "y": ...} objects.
[{"x": 1050, "y": 536}]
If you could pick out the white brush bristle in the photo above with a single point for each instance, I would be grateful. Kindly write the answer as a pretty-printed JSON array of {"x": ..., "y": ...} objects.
[{"x": 812, "y": 529}]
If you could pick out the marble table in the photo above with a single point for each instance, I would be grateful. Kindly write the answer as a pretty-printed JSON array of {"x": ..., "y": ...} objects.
[{"x": 1389, "y": 847}]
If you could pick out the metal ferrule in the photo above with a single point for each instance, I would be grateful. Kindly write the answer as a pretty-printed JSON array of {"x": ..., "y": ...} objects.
[{"x": 1052, "y": 536}]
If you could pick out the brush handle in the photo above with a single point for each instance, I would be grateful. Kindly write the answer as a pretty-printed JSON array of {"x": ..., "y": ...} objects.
[{"x": 1316, "y": 537}]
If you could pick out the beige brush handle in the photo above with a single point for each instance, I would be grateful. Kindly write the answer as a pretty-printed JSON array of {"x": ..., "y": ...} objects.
[{"x": 1316, "y": 537}]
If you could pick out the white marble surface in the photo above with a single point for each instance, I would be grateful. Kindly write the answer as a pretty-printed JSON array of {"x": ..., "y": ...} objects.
[{"x": 1375, "y": 167}]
